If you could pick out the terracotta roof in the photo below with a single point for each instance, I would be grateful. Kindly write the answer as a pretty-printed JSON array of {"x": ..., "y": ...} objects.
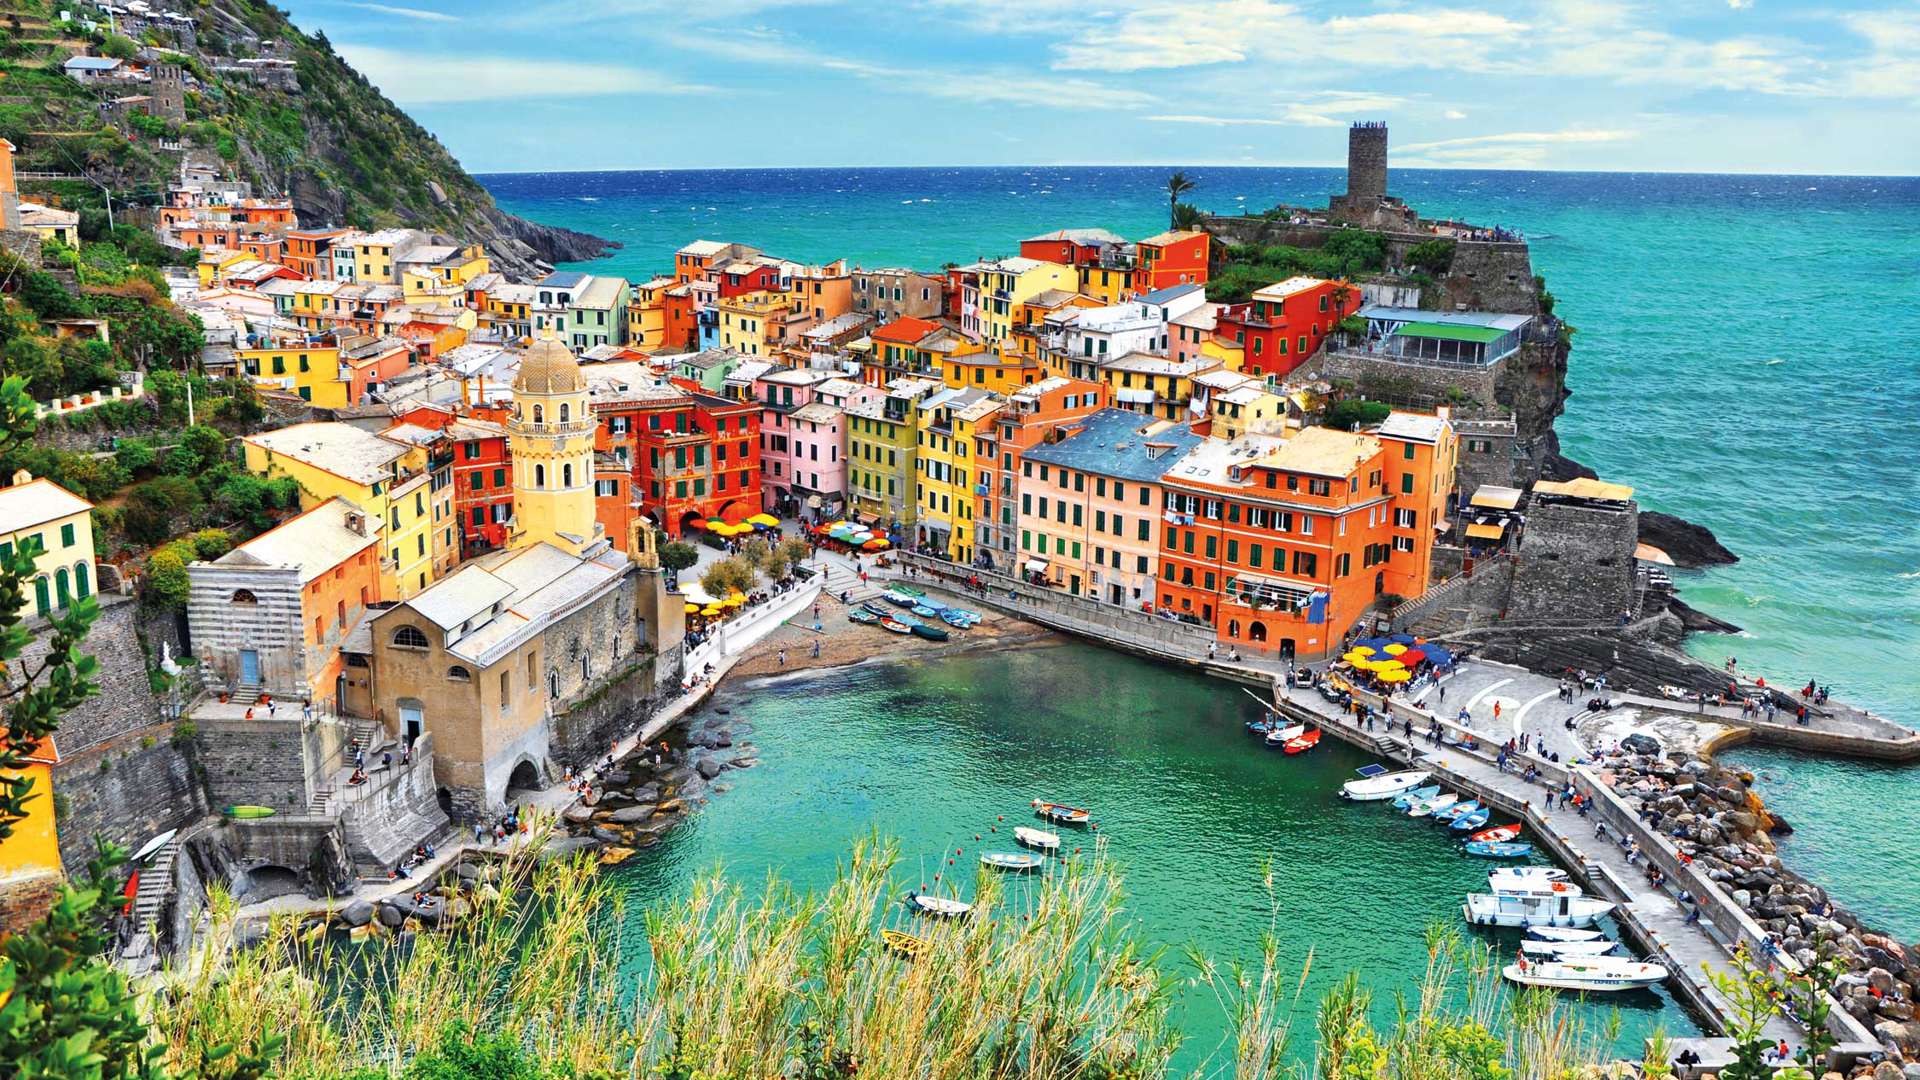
[{"x": 906, "y": 330}]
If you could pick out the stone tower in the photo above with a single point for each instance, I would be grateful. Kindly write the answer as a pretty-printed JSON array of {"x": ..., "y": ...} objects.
[
  {"x": 551, "y": 436},
  {"x": 168, "y": 90},
  {"x": 1367, "y": 160}
]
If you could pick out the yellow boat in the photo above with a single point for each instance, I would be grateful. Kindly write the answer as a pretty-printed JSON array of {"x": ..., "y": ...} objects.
[{"x": 903, "y": 944}]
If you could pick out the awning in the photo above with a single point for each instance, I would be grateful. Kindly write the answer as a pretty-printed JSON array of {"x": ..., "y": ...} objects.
[
  {"x": 1137, "y": 397},
  {"x": 1495, "y": 497},
  {"x": 1036, "y": 566},
  {"x": 1486, "y": 532},
  {"x": 1649, "y": 553}
]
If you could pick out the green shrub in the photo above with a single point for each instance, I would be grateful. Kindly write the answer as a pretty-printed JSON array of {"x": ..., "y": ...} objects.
[{"x": 1355, "y": 413}]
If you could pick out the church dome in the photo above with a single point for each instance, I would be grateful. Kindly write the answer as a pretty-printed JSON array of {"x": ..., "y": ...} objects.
[{"x": 548, "y": 367}]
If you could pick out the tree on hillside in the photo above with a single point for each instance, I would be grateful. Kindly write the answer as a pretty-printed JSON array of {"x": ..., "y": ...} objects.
[
  {"x": 678, "y": 555},
  {"x": 1177, "y": 185}
]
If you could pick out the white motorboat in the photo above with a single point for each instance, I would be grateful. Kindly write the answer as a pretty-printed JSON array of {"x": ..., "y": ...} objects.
[
  {"x": 1593, "y": 974},
  {"x": 943, "y": 906},
  {"x": 1384, "y": 786},
  {"x": 1597, "y": 947},
  {"x": 1531, "y": 885},
  {"x": 1551, "y": 873},
  {"x": 1037, "y": 839},
  {"x": 1280, "y": 737},
  {"x": 1562, "y": 933},
  {"x": 1506, "y": 909},
  {"x": 1429, "y": 806}
]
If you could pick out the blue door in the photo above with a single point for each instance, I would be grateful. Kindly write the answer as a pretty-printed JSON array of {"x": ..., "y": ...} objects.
[{"x": 249, "y": 667}]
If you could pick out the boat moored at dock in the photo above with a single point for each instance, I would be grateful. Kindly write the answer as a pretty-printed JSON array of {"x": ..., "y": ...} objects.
[
  {"x": 1382, "y": 785},
  {"x": 1506, "y": 909},
  {"x": 1594, "y": 974}
]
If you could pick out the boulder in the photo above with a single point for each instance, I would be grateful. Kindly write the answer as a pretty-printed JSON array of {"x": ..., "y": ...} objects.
[
  {"x": 565, "y": 847},
  {"x": 743, "y": 761},
  {"x": 646, "y": 793},
  {"x": 670, "y": 806},
  {"x": 604, "y": 835},
  {"x": 1895, "y": 1033},
  {"x": 467, "y": 872},
  {"x": 1886, "y": 1070},
  {"x": 630, "y": 815},
  {"x": 678, "y": 775},
  {"x": 616, "y": 778},
  {"x": 390, "y": 916},
  {"x": 708, "y": 767},
  {"x": 578, "y": 814},
  {"x": 1880, "y": 979},
  {"x": 359, "y": 913}
]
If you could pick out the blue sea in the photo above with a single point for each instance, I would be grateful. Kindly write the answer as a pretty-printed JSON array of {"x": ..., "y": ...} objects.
[{"x": 1747, "y": 356}]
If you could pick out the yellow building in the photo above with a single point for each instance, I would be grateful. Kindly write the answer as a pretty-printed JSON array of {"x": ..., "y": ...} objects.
[
  {"x": 550, "y": 437},
  {"x": 1228, "y": 354},
  {"x": 1154, "y": 385},
  {"x": 386, "y": 479},
  {"x": 647, "y": 313},
  {"x": 952, "y": 424},
  {"x": 752, "y": 322},
  {"x": 61, "y": 523},
  {"x": 311, "y": 371},
  {"x": 1250, "y": 407},
  {"x": 1001, "y": 369},
  {"x": 30, "y": 868},
  {"x": 374, "y": 255},
  {"x": 214, "y": 263},
  {"x": 992, "y": 290},
  {"x": 1107, "y": 284}
]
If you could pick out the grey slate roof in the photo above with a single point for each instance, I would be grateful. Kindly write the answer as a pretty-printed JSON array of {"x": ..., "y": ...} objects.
[{"x": 1110, "y": 443}]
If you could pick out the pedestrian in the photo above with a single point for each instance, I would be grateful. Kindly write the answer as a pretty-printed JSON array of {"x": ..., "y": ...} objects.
[
  {"x": 816, "y": 650},
  {"x": 1496, "y": 709},
  {"x": 479, "y": 833},
  {"x": 306, "y": 710},
  {"x": 1213, "y": 649},
  {"x": 386, "y": 759}
]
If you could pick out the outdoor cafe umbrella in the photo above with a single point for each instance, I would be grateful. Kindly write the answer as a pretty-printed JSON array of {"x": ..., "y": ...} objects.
[
  {"x": 876, "y": 544},
  {"x": 1396, "y": 675},
  {"x": 767, "y": 520},
  {"x": 1396, "y": 649}
]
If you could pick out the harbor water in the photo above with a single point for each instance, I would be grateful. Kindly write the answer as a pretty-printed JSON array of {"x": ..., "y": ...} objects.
[{"x": 1194, "y": 810}]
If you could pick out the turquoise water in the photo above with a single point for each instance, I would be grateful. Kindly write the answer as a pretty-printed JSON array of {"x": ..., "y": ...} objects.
[
  {"x": 1748, "y": 352},
  {"x": 1193, "y": 810}
]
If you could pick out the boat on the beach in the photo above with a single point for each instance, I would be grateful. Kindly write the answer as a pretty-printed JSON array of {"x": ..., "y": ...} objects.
[
  {"x": 896, "y": 626},
  {"x": 1382, "y": 785},
  {"x": 931, "y": 633},
  {"x": 1497, "y": 834},
  {"x": 1598, "y": 946},
  {"x": 900, "y": 599},
  {"x": 944, "y": 906},
  {"x": 1457, "y": 811},
  {"x": 877, "y": 608},
  {"x": 959, "y": 617},
  {"x": 1406, "y": 799},
  {"x": 1037, "y": 839},
  {"x": 1012, "y": 860},
  {"x": 1069, "y": 815},
  {"x": 1434, "y": 805},
  {"x": 902, "y": 944},
  {"x": 1471, "y": 820},
  {"x": 1595, "y": 974},
  {"x": 244, "y": 813},
  {"x": 1563, "y": 933},
  {"x": 1303, "y": 742},
  {"x": 1504, "y": 909},
  {"x": 1499, "y": 849},
  {"x": 924, "y": 611},
  {"x": 1282, "y": 736},
  {"x": 862, "y": 616}
]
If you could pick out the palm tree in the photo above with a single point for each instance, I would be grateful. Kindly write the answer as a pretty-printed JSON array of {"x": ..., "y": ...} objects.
[{"x": 1177, "y": 185}]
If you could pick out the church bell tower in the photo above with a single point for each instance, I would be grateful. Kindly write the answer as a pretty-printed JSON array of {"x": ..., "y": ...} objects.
[{"x": 551, "y": 435}]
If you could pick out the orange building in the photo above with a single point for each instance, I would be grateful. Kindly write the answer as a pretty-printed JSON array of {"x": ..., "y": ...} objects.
[
  {"x": 267, "y": 211},
  {"x": 208, "y": 235},
  {"x": 1171, "y": 258},
  {"x": 1281, "y": 544},
  {"x": 30, "y": 867},
  {"x": 1033, "y": 415},
  {"x": 310, "y": 251}
]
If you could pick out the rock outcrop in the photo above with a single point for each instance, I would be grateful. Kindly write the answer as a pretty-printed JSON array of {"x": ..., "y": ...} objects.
[{"x": 1690, "y": 546}]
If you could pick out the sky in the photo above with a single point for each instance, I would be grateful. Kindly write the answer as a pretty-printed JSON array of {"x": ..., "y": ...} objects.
[{"x": 1669, "y": 85}]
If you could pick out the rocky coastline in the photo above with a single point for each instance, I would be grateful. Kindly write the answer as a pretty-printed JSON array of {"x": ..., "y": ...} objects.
[{"x": 1716, "y": 818}]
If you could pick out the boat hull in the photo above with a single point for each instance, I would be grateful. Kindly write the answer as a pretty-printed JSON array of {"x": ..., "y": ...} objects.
[
  {"x": 1406, "y": 799},
  {"x": 1012, "y": 861},
  {"x": 1498, "y": 909},
  {"x": 1499, "y": 849},
  {"x": 1037, "y": 839},
  {"x": 1379, "y": 788},
  {"x": 1587, "y": 977}
]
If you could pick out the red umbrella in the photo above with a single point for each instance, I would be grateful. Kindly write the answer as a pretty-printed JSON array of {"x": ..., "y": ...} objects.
[{"x": 1411, "y": 658}]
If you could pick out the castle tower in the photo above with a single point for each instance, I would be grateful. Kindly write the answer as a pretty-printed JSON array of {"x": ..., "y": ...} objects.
[
  {"x": 551, "y": 437},
  {"x": 168, "y": 90},
  {"x": 1367, "y": 160}
]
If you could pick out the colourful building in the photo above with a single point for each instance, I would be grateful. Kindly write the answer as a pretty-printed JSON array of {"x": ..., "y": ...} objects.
[
  {"x": 1090, "y": 505},
  {"x": 1001, "y": 369},
  {"x": 30, "y": 867},
  {"x": 882, "y": 447},
  {"x": 481, "y": 471},
  {"x": 1033, "y": 415},
  {"x": 1282, "y": 325},
  {"x": 911, "y": 348},
  {"x": 1281, "y": 544},
  {"x": 991, "y": 290},
  {"x": 792, "y": 457},
  {"x": 647, "y": 314},
  {"x": 753, "y": 323},
  {"x": 694, "y": 455},
  {"x": 948, "y": 469},
  {"x": 43, "y": 512}
]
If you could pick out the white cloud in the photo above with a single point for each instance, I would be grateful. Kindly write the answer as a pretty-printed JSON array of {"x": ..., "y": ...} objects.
[
  {"x": 1891, "y": 68},
  {"x": 1454, "y": 114},
  {"x": 1506, "y": 150},
  {"x": 1328, "y": 108},
  {"x": 420, "y": 14},
  {"x": 431, "y": 79},
  {"x": 1739, "y": 5}
]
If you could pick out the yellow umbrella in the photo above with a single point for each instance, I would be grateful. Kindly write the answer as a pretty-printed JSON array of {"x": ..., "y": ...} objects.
[
  {"x": 1396, "y": 675},
  {"x": 692, "y": 608},
  {"x": 736, "y": 597},
  {"x": 1363, "y": 650},
  {"x": 710, "y": 609},
  {"x": 1357, "y": 656},
  {"x": 763, "y": 519},
  {"x": 1396, "y": 649}
]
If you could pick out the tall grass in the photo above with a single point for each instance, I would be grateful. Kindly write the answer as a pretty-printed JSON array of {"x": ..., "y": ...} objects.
[{"x": 770, "y": 983}]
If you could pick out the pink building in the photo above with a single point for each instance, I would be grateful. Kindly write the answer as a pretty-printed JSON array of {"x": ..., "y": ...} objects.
[
  {"x": 802, "y": 459},
  {"x": 1191, "y": 330}
]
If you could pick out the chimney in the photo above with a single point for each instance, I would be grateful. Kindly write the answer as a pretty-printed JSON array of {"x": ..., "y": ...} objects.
[
  {"x": 357, "y": 521},
  {"x": 22, "y": 477}
]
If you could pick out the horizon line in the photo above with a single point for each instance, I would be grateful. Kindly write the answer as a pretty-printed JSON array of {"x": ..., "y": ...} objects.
[{"x": 1168, "y": 165}]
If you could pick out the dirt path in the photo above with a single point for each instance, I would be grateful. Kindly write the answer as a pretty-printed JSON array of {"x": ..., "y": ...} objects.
[{"x": 843, "y": 642}]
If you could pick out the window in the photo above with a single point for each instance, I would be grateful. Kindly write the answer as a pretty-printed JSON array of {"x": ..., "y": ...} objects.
[
  {"x": 1406, "y": 483},
  {"x": 66, "y": 535},
  {"x": 1403, "y": 543},
  {"x": 409, "y": 637},
  {"x": 243, "y": 596},
  {"x": 1403, "y": 519},
  {"x": 456, "y": 673}
]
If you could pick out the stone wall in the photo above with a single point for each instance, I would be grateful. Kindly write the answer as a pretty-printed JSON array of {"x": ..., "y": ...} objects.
[
  {"x": 1485, "y": 275},
  {"x": 127, "y": 790},
  {"x": 259, "y": 762},
  {"x": 396, "y": 809},
  {"x": 270, "y": 625},
  {"x": 125, "y": 701},
  {"x": 1575, "y": 566},
  {"x": 313, "y": 848},
  {"x": 1386, "y": 378},
  {"x": 589, "y": 727}
]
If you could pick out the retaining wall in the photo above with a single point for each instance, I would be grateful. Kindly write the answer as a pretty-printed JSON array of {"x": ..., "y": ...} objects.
[{"x": 127, "y": 790}]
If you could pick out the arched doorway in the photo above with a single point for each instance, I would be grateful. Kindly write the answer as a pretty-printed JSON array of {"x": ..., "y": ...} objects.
[
  {"x": 1257, "y": 631},
  {"x": 525, "y": 777},
  {"x": 267, "y": 882},
  {"x": 1286, "y": 648}
]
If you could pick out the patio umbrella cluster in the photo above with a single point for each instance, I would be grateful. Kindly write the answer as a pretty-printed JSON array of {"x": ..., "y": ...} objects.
[
  {"x": 1394, "y": 658},
  {"x": 756, "y": 523},
  {"x": 854, "y": 534}
]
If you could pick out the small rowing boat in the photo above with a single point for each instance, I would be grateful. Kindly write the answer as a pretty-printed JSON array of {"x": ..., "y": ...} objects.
[
  {"x": 921, "y": 609},
  {"x": 942, "y": 906},
  {"x": 900, "y": 599},
  {"x": 1457, "y": 811},
  {"x": 244, "y": 813},
  {"x": 931, "y": 633},
  {"x": 1068, "y": 815},
  {"x": 1383, "y": 785},
  {"x": 1602, "y": 974},
  {"x": 862, "y": 616},
  {"x": 1427, "y": 807},
  {"x": 1563, "y": 933},
  {"x": 1501, "y": 909},
  {"x": 1597, "y": 947},
  {"x": 1497, "y": 834},
  {"x": 903, "y": 945},
  {"x": 1497, "y": 849},
  {"x": 1302, "y": 743},
  {"x": 1471, "y": 820},
  {"x": 1037, "y": 839},
  {"x": 959, "y": 620},
  {"x": 896, "y": 626},
  {"x": 1282, "y": 736},
  {"x": 1406, "y": 800},
  {"x": 1012, "y": 860},
  {"x": 877, "y": 608}
]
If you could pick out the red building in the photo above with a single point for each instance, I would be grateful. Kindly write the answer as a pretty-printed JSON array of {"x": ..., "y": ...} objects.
[
  {"x": 693, "y": 455},
  {"x": 308, "y": 251},
  {"x": 1284, "y": 324},
  {"x": 1074, "y": 247},
  {"x": 482, "y": 471},
  {"x": 741, "y": 277},
  {"x": 1171, "y": 258}
]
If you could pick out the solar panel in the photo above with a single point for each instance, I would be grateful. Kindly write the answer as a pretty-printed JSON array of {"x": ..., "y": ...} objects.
[{"x": 1371, "y": 771}]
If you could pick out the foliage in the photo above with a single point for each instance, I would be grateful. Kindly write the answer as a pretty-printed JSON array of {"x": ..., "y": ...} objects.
[
  {"x": 1177, "y": 185},
  {"x": 134, "y": 456},
  {"x": 1346, "y": 255},
  {"x": 1356, "y": 413},
  {"x": 794, "y": 549},
  {"x": 1352, "y": 324},
  {"x": 155, "y": 509},
  {"x": 756, "y": 552},
  {"x": 1433, "y": 257},
  {"x": 167, "y": 583},
  {"x": 211, "y": 543},
  {"x": 49, "y": 299},
  {"x": 727, "y": 576},
  {"x": 1753, "y": 996},
  {"x": 678, "y": 555},
  {"x": 119, "y": 47},
  {"x": 1187, "y": 216}
]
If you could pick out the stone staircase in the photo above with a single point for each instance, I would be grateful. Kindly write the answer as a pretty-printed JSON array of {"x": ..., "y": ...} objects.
[
  {"x": 156, "y": 884},
  {"x": 374, "y": 852}
]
